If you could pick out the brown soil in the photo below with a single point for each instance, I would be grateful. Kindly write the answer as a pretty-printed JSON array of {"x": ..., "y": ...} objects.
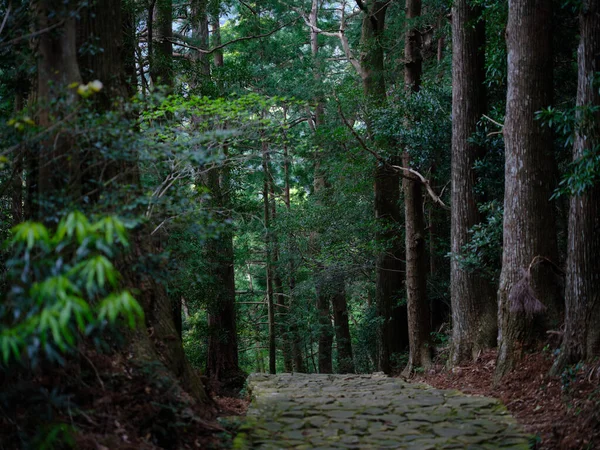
[
  {"x": 105, "y": 402},
  {"x": 562, "y": 412}
]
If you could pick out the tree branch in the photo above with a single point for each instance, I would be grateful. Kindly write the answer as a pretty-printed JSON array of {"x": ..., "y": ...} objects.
[
  {"x": 6, "y": 17},
  {"x": 233, "y": 41},
  {"x": 404, "y": 172},
  {"x": 37, "y": 33}
]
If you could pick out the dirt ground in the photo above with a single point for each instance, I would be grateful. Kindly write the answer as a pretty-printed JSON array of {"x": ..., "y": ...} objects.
[
  {"x": 104, "y": 402},
  {"x": 562, "y": 412}
]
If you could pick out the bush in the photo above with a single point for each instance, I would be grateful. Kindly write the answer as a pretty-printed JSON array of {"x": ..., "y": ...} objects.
[{"x": 62, "y": 284}]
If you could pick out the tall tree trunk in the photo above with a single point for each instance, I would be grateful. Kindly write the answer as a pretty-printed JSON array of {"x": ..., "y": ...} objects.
[
  {"x": 529, "y": 228},
  {"x": 269, "y": 263},
  {"x": 296, "y": 340},
  {"x": 392, "y": 336},
  {"x": 279, "y": 296},
  {"x": 325, "y": 339},
  {"x": 582, "y": 319},
  {"x": 57, "y": 69},
  {"x": 216, "y": 26},
  {"x": 342, "y": 328},
  {"x": 161, "y": 59},
  {"x": 129, "y": 48},
  {"x": 414, "y": 216},
  {"x": 474, "y": 308},
  {"x": 199, "y": 19},
  {"x": 223, "y": 361},
  {"x": 16, "y": 195}
]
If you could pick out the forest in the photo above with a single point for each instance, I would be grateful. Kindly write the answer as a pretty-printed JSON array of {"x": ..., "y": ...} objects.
[{"x": 192, "y": 191}]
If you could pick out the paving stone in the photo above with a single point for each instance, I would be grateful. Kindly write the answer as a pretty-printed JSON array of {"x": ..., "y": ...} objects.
[{"x": 373, "y": 412}]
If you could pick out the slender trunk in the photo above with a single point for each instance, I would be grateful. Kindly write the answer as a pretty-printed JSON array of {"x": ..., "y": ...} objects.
[
  {"x": 416, "y": 276},
  {"x": 582, "y": 294},
  {"x": 129, "y": 48},
  {"x": 278, "y": 284},
  {"x": 474, "y": 320},
  {"x": 414, "y": 216},
  {"x": 529, "y": 225},
  {"x": 296, "y": 340},
  {"x": 268, "y": 266},
  {"x": 319, "y": 184},
  {"x": 223, "y": 361},
  {"x": 342, "y": 328},
  {"x": 441, "y": 41},
  {"x": 325, "y": 331},
  {"x": 16, "y": 196}
]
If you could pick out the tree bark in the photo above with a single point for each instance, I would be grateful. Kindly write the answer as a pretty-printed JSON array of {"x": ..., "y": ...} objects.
[
  {"x": 16, "y": 195},
  {"x": 199, "y": 19},
  {"x": 278, "y": 283},
  {"x": 57, "y": 69},
  {"x": 529, "y": 224},
  {"x": 416, "y": 257},
  {"x": 345, "y": 359},
  {"x": 295, "y": 338},
  {"x": 582, "y": 294},
  {"x": 268, "y": 265},
  {"x": 474, "y": 308},
  {"x": 161, "y": 59},
  {"x": 222, "y": 363}
]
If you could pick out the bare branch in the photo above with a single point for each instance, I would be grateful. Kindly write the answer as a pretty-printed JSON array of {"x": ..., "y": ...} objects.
[
  {"x": 6, "y": 17},
  {"x": 37, "y": 33},
  {"x": 248, "y": 6},
  {"x": 340, "y": 34},
  {"x": 493, "y": 121},
  {"x": 233, "y": 41}
]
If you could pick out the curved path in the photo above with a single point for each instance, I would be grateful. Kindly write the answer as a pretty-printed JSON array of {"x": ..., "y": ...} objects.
[{"x": 302, "y": 411}]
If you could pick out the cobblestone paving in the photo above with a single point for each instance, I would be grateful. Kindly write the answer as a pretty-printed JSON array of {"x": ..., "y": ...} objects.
[{"x": 298, "y": 411}]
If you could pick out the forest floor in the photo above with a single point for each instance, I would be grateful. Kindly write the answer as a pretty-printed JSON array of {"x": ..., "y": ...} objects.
[
  {"x": 108, "y": 403},
  {"x": 563, "y": 411},
  {"x": 105, "y": 402}
]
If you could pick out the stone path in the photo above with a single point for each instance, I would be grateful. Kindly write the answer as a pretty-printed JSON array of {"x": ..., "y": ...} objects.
[{"x": 298, "y": 411}]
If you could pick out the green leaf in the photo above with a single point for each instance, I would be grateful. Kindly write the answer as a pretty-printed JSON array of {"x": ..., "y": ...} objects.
[
  {"x": 30, "y": 233},
  {"x": 117, "y": 304}
]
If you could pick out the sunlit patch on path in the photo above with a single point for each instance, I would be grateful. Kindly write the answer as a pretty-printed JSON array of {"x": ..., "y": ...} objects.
[{"x": 370, "y": 412}]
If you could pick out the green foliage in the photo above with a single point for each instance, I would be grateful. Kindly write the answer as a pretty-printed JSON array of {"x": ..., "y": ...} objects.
[
  {"x": 62, "y": 285},
  {"x": 418, "y": 122},
  {"x": 577, "y": 126},
  {"x": 569, "y": 376},
  {"x": 483, "y": 252}
]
